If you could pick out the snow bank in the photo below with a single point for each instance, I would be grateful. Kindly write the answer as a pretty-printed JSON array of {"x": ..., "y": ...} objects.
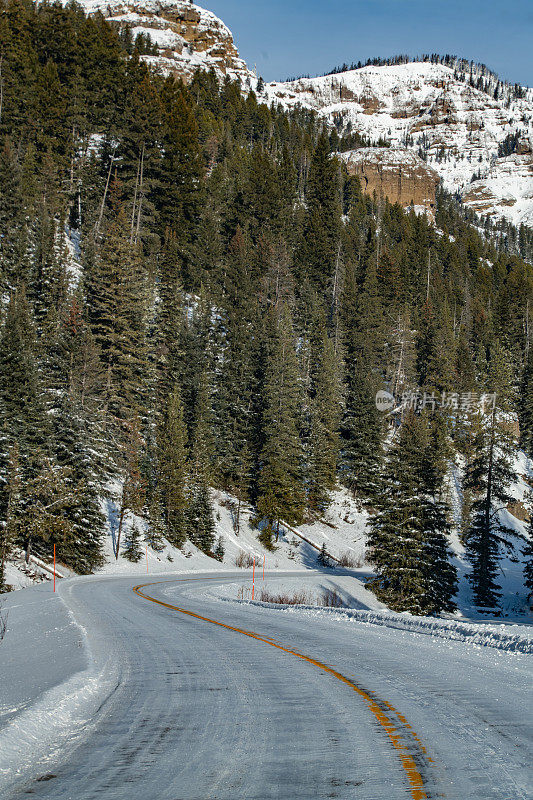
[
  {"x": 46, "y": 710},
  {"x": 497, "y": 636}
]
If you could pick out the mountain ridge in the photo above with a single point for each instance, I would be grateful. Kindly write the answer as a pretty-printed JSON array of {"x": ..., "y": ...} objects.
[{"x": 457, "y": 129}]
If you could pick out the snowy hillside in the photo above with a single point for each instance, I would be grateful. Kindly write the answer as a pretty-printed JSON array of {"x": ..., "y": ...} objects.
[
  {"x": 423, "y": 106},
  {"x": 343, "y": 532}
]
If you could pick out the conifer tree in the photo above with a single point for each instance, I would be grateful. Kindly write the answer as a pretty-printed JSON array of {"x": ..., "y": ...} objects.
[
  {"x": 172, "y": 457},
  {"x": 488, "y": 476},
  {"x": 116, "y": 300},
  {"x": 22, "y": 410},
  {"x": 179, "y": 185},
  {"x": 324, "y": 412},
  {"x": 169, "y": 319},
  {"x": 132, "y": 550},
  {"x": 323, "y": 559},
  {"x": 436, "y": 350},
  {"x": 156, "y": 529},
  {"x": 525, "y": 408},
  {"x": 280, "y": 483},
  {"x": 361, "y": 424},
  {"x": 44, "y": 518},
  {"x": 199, "y": 512},
  {"x": 236, "y": 335},
  {"x": 527, "y": 552},
  {"x": 218, "y": 552},
  {"x": 407, "y": 536},
  {"x": 133, "y": 488},
  {"x": 316, "y": 259},
  {"x": 12, "y": 501}
]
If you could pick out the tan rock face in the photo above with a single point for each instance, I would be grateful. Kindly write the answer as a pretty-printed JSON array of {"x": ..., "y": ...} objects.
[{"x": 399, "y": 175}]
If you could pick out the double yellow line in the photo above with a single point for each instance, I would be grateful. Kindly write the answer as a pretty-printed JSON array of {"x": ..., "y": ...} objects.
[{"x": 416, "y": 781}]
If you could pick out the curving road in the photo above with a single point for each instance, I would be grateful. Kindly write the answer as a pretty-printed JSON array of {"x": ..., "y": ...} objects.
[{"x": 222, "y": 701}]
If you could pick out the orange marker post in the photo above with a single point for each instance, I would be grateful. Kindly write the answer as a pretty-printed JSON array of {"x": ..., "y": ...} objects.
[
  {"x": 147, "y": 559},
  {"x": 54, "y": 568},
  {"x": 253, "y": 580}
]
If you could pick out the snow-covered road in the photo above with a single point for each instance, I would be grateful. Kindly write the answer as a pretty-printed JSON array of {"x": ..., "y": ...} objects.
[{"x": 304, "y": 708}]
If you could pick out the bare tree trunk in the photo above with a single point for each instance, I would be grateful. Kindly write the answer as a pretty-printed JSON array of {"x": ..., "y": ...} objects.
[
  {"x": 120, "y": 524},
  {"x": 104, "y": 198},
  {"x": 134, "y": 207},
  {"x": 140, "y": 197}
]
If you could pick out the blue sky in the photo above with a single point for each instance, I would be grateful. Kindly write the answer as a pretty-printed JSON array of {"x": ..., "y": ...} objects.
[{"x": 294, "y": 37}]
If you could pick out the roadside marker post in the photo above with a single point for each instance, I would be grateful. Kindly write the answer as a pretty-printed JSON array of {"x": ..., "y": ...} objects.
[
  {"x": 147, "y": 559},
  {"x": 264, "y": 559},
  {"x": 253, "y": 580},
  {"x": 54, "y": 568}
]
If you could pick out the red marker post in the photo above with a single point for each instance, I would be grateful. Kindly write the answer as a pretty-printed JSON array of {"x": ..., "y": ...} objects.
[{"x": 253, "y": 580}]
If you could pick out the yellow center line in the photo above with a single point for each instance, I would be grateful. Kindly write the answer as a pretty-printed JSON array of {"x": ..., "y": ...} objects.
[{"x": 416, "y": 781}]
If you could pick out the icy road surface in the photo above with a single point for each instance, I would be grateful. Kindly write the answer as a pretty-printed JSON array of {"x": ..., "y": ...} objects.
[{"x": 267, "y": 704}]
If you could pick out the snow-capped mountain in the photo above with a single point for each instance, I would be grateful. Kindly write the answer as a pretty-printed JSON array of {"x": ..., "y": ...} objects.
[
  {"x": 187, "y": 36},
  {"x": 438, "y": 125},
  {"x": 428, "y": 108}
]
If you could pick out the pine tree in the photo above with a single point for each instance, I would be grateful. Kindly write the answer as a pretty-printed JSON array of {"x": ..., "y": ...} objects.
[
  {"x": 218, "y": 552},
  {"x": 436, "y": 350},
  {"x": 22, "y": 410},
  {"x": 169, "y": 320},
  {"x": 316, "y": 259},
  {"x": 407, "y": 541},
  {"x": 199, "y": 512},
  {"x": 117, "y": 301},
  {"x": 13, "y": 511},
  {"x": 488, "y": 476},
  {"x": 361, "y": 428},
  {"x": 280, "y": 482},
  {"x": 324, "y": 413},
  {"x": 179, "y": 186},
  {"x": 172, "y": 457},
  {"x": 323, "y": 558},
  {"x": 439, "y": 571},
  {"x": 133, "y": 488},
  {"x": 132, "y": 550},
  {"x": 527, "y": 552},
  {"x": 236, "y": 332},
  {"x": 156, "y": 529},
  {"x": 44, "y": 517},
  {"x": 525, "y": 409}
]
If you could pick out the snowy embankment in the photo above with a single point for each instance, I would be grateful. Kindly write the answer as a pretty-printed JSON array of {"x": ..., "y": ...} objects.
[
  {"x": 511, "y": 638},
  {"x": 364, "y": 608},
  {"x": 45, "y": 709}
]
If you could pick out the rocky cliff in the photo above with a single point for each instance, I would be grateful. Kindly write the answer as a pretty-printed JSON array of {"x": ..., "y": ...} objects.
[
  {"x": 398, "y": 174},
  {"x": 187, "y": 36}
]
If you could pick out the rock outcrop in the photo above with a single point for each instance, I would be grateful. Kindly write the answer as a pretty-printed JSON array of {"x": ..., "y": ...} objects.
[
  {"x": 397, "y": 174},
  {"x": 187, "y": 36}
]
